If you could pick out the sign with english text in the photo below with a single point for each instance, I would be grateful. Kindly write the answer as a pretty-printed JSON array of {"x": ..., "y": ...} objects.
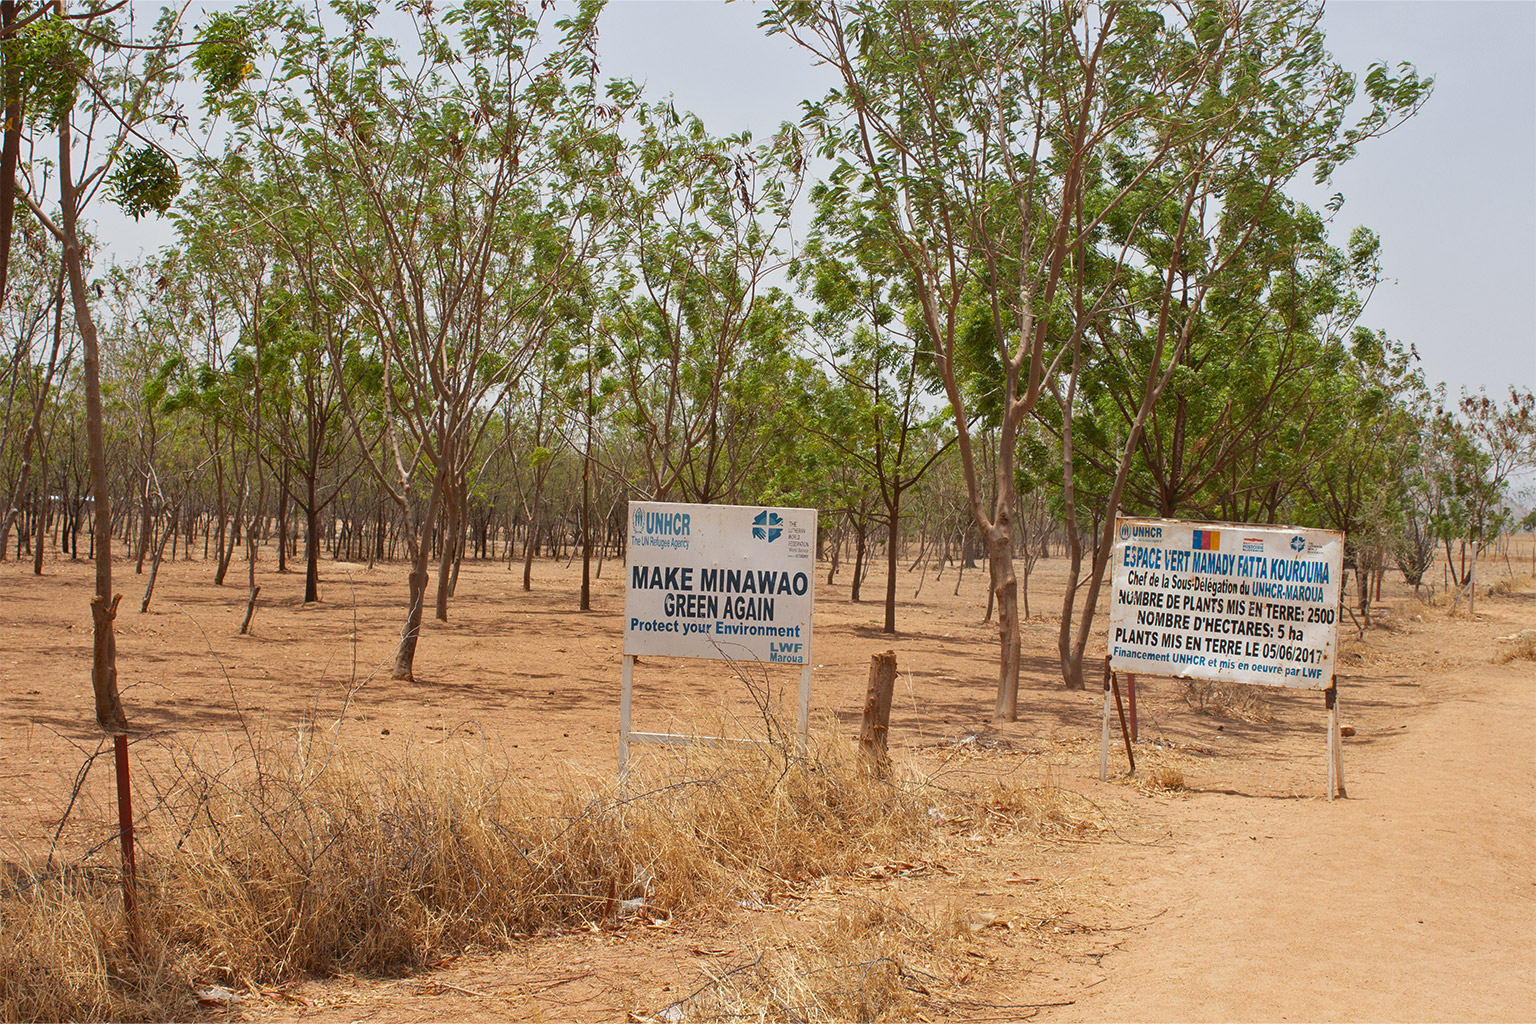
[{"x": 720, "y": 581}]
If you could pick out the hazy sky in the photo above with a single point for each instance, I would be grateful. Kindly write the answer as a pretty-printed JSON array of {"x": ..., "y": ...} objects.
[{"x": 1452, "y": 192}]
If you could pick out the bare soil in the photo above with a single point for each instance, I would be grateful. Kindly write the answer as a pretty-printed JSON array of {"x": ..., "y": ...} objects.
[{"x": 1243, "y": 896}]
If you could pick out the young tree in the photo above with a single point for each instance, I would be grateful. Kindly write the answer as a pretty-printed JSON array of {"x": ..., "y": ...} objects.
[
  {"x": 96, "y": 97},
  {"x": 880, "y": 415},
  {"x": 429, "y": 191},
  {"x": 697, "y": 219}
]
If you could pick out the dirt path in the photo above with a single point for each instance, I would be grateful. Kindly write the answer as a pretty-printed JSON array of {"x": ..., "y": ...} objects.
[{"x": 1414, "y": 899}]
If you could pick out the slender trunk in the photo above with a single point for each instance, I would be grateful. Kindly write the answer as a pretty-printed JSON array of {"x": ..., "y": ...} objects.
[
  {"x": 227, "y": 543},
  {"x": 418, "y": 537},
  {"x": 858, "y": 561},
  {"x": 282, "y": 521},
  {"x": 40, "y": 524},
  {"x": 533, "y": 535},
  {"x": 154, "y": 566},
  {"x": 450, "y": 537},
  {"x": 1006, "y": 588},
  {"x": 586, "y": 523},
  {"x": 893, "y": 527},
  {"x": 311, "y": 546},
  {"x": 109, "y": 705},
  {"x": 146, "y": 524}
]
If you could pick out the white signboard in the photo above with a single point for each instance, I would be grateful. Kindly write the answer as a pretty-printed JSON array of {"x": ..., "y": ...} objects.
[
  {"x": 1242, "y": 604},
  {"x": 720, "y": 581}
]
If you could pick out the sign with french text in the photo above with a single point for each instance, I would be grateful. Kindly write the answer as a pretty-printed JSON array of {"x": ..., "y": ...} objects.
[{"x": 1217, "y": 601}]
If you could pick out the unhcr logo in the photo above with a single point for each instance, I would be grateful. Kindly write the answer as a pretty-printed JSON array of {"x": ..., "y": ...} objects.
[{"x": 660, "y": 529}]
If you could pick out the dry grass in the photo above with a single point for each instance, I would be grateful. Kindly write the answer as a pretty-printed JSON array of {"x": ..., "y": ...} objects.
[
  {"x": 296, "y": 859},
  {"x": 1166, "y": 778},
  {"x": 1510, "y": 586},
  {"x": 1228, "y": 700},
  {"x": 1008, "y": 804},
  {"x": 1519, "y": 646},
  {"x": 881, "y": 962}
]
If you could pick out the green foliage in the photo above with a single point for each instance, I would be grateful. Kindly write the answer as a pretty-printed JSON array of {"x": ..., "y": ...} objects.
[
  {"x": 225, "y": 55},
  {"x": 145, "y": 179},
  {"x": 52, "y": 63}
]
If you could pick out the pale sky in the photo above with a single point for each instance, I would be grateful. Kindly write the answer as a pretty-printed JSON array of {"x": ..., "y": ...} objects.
[{"x": 1452, "y": 193}]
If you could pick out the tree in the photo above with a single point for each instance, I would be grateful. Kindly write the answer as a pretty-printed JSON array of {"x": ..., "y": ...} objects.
[
  {"x": 1491, "y": 444},
  {"x": 1353, "y": 486},
  {"x": 697, "y": 219},
  {"x": 879, "y": 417},
  {"x": 96, "y": 97},
  {"x": 1058, "y": 179},
  {"x": 429, "y": 193}
]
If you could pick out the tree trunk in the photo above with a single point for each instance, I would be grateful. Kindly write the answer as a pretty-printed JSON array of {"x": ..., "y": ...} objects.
[
  {"x": 893, "y": 530},
  {"x": 109, "y": 706},
  {"x": 450, "y": 538},
  {"x": 154, "y": 566},
  {"x": 420, "y": 551},
  {"x": 1006, "y": 588},
  {"x": 858, "y": 561},
  {"x": 311, "y": 547},
  {"x": 586, "y": 523},
  {"x": 40, "y": 523}
]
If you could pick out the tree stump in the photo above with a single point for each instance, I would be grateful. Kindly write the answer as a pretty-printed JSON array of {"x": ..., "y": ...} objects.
[{"x": 877, "y": 708}]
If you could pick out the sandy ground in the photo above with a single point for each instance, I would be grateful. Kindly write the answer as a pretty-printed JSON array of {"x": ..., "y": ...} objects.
[{"x": 1245, "y": 896}]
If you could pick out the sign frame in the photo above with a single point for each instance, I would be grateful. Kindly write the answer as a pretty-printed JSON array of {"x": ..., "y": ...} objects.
[
  {"x": 714, "y": 587},
  {"x": 1290, "y": 611}
]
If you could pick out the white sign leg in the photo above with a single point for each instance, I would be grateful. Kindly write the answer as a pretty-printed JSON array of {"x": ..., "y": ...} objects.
[
  {"x": 804, "y": 723},
  {"x": 628, "y": 673},
  {"x": 1104, "y": 740}
]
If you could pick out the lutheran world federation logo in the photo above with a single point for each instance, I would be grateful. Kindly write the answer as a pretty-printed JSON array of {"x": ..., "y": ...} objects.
[
  {"x": 1297, "y": 543},
  {"x": 767, "y": 526}
]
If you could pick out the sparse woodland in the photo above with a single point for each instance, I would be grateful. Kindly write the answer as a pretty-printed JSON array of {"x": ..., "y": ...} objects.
[{"x": 443, "y": 292}]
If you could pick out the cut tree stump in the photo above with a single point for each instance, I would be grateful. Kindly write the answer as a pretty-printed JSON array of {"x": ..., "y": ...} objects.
[{"x": 877, "y": 707}]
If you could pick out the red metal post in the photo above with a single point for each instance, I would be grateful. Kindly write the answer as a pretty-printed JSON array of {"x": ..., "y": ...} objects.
[
  {"x": 1130, "y": 696},
  {"x": 125, "y": 831}
]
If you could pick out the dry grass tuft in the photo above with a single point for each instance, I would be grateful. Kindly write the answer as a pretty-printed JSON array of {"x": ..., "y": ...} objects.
[
  {"x": 1048, "y": 811},
  {"x": 1166, "y": 778},
  {"x": 1519, "y": 646},
  {"x": 296, "y": 860},
  {"x": 879, "y": 963},
  {"x": 1228, "y": 700}
]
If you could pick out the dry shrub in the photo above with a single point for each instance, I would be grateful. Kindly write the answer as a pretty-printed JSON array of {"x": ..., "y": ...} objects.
[
  {"x": 1520, "y": 646},
  {"x": 1227, "y": 700},
  {"x": 297, "y": 860},
  {"x": 876, "y": 964},
  {"x": 1008, "y": 804},
  {"x": 1166, "y": 778}
]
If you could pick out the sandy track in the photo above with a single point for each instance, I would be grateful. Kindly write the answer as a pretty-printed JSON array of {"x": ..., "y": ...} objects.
[{"x": 1414, "y": 899}]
